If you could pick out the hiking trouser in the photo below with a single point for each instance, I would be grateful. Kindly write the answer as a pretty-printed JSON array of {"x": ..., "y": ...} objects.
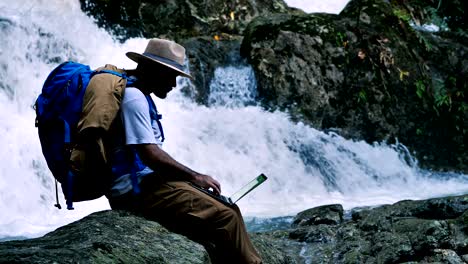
[{"x": 188, "y": 211}]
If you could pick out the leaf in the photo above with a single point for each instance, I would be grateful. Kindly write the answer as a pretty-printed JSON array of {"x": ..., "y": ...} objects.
[
  {"x": 403, "y": 74},
  {"x": 420, "y": 88},
  {"x": 419, "y": 93}
]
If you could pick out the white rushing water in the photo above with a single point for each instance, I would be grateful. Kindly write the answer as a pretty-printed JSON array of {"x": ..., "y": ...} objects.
[{"x": 233, "y": 139}]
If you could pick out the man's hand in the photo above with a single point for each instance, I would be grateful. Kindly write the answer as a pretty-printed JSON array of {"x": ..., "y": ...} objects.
[{"x": 207, "y": 182}]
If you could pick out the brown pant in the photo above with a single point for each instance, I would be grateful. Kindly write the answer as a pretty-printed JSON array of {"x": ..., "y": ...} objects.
[{"x": 188, "y": 211}]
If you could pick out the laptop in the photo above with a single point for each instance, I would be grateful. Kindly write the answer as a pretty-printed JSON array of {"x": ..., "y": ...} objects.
[{"x": 237, "y": 195}]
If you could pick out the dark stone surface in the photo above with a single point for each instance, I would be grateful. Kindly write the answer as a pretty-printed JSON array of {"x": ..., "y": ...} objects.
[
  {"x": 120, "y": 237},
  {"x": 178, "y": 19},
  {"x": 211, "y": 31},
  {"x": 434, "y": 230},
  {"x": 368, "y": 73},
  {"x": 106, "y": 237},
  {"x": 407, "y": 231},
  {"x": 205, "y": 55},
  {"x": 327, "y": 214},
  {"x": 371, "y": 73}
]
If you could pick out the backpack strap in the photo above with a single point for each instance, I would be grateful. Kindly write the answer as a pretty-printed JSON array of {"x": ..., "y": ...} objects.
[
  {"x": 155, "y": 115},
  {"x": 123, "y": 75},
  {"x": 70, "y": 179}
]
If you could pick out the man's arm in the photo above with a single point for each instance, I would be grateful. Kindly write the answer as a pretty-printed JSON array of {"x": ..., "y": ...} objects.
[{"x": 160, "y": 161}]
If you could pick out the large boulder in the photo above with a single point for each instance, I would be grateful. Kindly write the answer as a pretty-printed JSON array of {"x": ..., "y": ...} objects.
[
  {"x": 434, "y": 230},
  {"x": 211, "y": 31},
  {"x": 119, "y": 237},
  {"x": 368, "y": 73},
  {"x": 327, "y": 214},
  {"x": 205, "y": 55},
  {"x": 106, "y": 237},
  {"x": 176, "y": 19}
]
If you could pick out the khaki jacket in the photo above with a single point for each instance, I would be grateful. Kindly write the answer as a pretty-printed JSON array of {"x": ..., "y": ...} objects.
[{"x": 101, "y": 104}]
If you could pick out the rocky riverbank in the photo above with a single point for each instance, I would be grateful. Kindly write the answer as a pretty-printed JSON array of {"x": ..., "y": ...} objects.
[{"x": 427, "y": 231}]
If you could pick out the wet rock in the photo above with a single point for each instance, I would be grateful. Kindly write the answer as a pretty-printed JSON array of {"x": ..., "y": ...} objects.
[
  {"x": 423, "y": 234},
  {"x": 106, "y": 237},
  {"x": 178, "y": 19},
  {"x": 327, "y": 214},
  {"x": 403, "y": 232},
  {"x": 276, "y": 250},
  {"x": 292, "y": 58},
  {"x": 378, "y": 219},
  {"x": 119, "y": 237},
  {"x": 433, "y": 230},
  {"x": 211, "y": 31},
  {"x": 368, "y": 73},
  {"x": 391, "y": 247},
  {"x": 378, "y": 71},
  {"x": 444, "y": 256},
  {"x": 205, "y": 54},
  {"x": 314, "y": 234}
]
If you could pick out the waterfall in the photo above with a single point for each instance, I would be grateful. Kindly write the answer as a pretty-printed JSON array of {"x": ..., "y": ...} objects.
[{"x": 233, "y": 139}]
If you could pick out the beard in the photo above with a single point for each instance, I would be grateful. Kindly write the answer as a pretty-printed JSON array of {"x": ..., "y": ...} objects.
[{"x": 161, "y": 94}]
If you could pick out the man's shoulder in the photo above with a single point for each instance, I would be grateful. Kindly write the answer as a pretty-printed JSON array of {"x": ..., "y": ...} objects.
[
  {"x": 109, "y": 81},
  {"x": 132, "y": 93},
  {"x": 110, "y": 67}
]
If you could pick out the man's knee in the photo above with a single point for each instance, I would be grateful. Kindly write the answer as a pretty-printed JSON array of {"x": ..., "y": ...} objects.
[
  {"x": 230, "y": 214},
  {"x": 230, "y": 223}
]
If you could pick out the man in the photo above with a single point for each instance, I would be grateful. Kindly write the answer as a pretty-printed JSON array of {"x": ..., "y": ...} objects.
[{"x": 148, "y": 180}]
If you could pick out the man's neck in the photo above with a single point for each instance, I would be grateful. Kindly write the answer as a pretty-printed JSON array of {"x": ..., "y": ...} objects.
[{"x": 134, "y": 73}]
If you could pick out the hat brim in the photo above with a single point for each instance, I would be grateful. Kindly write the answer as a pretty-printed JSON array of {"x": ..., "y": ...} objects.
[{"x": 136, "y": 57}]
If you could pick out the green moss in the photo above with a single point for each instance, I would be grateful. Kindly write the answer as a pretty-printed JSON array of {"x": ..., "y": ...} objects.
[{"x": 402, "y": 14}]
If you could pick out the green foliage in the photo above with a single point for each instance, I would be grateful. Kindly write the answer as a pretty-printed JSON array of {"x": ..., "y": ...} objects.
[
  {"x": 446, "y": 99},
  {"x": 441, "y": 97},
  {"x": 406, "y": 18},
  {"x": 419, "y": 132},
  {"x": 340, "y": 39},
  {"x": 452, "y": 81},
  {"x": 423, "y": 40},
  {"x": 420, "y": 88},
  {"x": 437, "y": 20},
  {"x": 362, "y": 96},
  {"x": 463, "y": 107},
  {"x": 402, "y": 14}
]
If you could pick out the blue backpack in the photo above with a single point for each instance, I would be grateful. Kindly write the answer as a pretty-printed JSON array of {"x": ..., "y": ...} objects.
[{"x": 58, "y": 110}]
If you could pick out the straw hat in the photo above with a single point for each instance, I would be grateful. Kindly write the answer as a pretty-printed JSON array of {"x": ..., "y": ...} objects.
[{"x": 165, "y": 52}]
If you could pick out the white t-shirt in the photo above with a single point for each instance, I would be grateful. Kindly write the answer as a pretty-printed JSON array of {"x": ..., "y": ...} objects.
[
  {"x": 136, "y": 119},
  {"x": 139, "y": 129}
]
